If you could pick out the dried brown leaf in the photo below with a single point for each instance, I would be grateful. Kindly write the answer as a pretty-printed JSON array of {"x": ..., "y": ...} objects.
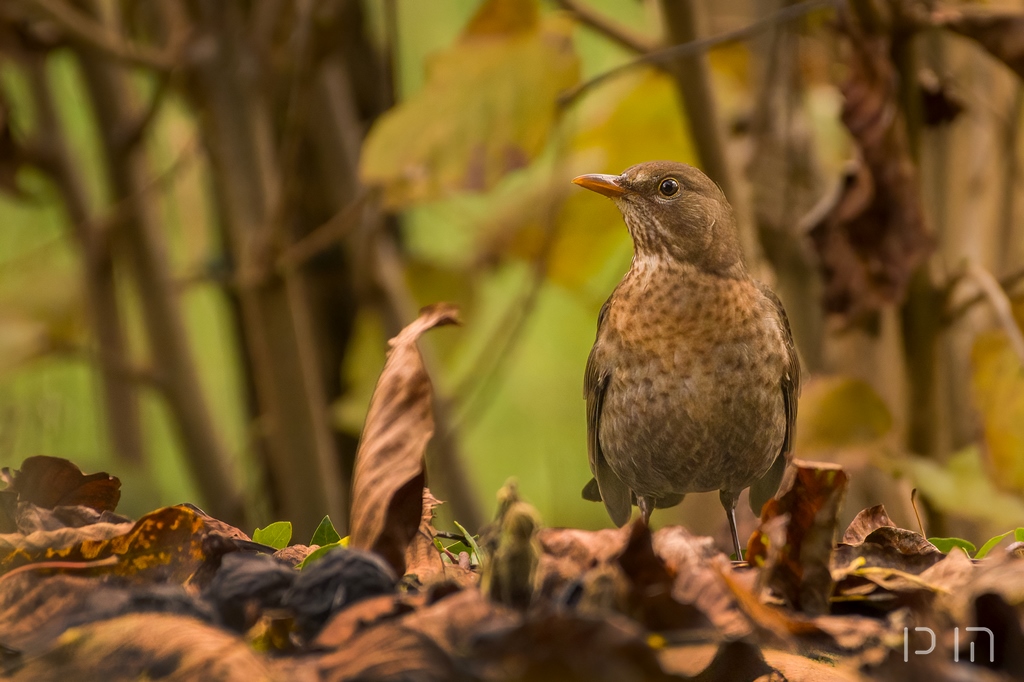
[
  {"x": 866, "y": 521},
  {"x": 873, "y": 237},
  {"x": 146, "y": 646},
  {"x": 387, "y": 489},
  {"x": 886, "y": 547},
  {"x": 360, "y": 616},
  {"x": 569, "y": 552},
  {"x": 173, "y": 542},
  {"x": 422, "y": 558},
  {"x": 565, "y": 646},
  {"x": 796, "y": 563},
  {"x": 652, "y": 596},
  {"x": 49, "y": 482},
  {"x": 454, "y": 621},
  {"x": 731, "y": 661},
  {"x": 388, "y": 652}
]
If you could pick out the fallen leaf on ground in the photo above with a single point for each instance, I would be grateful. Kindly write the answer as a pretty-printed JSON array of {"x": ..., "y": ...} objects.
[
  {"x": 146, "y": 646},
  {"x": 50, "y": 482},
  {"x": 173, "y": 542},
  {"x": 796, "y": 561}
]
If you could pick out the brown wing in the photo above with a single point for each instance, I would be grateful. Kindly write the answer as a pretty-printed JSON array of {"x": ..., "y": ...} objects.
[
  {"x": 764, "y": 489},
  {"x": 614, "y": 492}
]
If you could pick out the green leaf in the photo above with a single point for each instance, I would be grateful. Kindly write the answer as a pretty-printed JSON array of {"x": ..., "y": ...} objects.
[
  {"x": 946, "y": 544},
  {"x": 322, "y": 550},
  {"x": 487, "y": 108},
  {"x": 1018, "y": 535},
  {"x": 325, "y": 533},
  {"x": 276, "y": 535},
  {"x": 991, "y": 544},
  {"x": 472, "y": 543}
]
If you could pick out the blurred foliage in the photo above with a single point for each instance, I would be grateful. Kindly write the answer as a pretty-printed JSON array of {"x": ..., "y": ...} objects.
[
  {"x": 998, "y": 389},
  {"x": 474, "y": 161}
]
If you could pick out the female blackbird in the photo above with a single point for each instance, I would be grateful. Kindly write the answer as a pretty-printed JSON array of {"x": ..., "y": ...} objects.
[{"x": 692, "y": 382}]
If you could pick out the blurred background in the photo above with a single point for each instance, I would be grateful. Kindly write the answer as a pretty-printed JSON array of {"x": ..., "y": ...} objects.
[{"x": 213, "y": 215}]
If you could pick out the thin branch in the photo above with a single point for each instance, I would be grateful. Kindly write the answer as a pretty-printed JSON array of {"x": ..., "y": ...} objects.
[
  {"x": 1007, "y": 283},
  {"x": 93, "y": 34},
  {"x": 135, "y": 132},
  {"x": 693, "y": 47},
  {"x": 1001, "y": 305},
  {"x": 616, "y": 32},
  {"x": 321, "y": 238},
  {"x": 146, "y": 376}
]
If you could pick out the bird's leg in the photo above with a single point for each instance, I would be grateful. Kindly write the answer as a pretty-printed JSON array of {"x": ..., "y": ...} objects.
[
  {"x": 646, "y": 505},
  {"x": 729, "y": 502}
]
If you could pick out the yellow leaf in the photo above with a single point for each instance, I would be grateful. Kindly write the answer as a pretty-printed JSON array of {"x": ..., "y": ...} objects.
[
  {"x": 997, "y": 385},
  {"x": 487, "y": 108},
  {"x": 632, "y": 120},
  {"x": 837, "y": 412}
]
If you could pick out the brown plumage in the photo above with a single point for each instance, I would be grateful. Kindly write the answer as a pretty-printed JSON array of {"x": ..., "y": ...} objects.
[{"x": 693, "y": 380}]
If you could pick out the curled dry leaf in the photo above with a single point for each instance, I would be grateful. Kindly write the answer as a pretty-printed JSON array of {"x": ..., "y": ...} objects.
[
  {"x": 796, "y": 562},
  {"x": 873, "y": 237},
  {"x": 50, "y": 482},
  {"x": 422, "y": 558},
  {"x": 873, "y": 541},
  {"x": 387, "y": 488},
  {"x": 866, "y": 521}
]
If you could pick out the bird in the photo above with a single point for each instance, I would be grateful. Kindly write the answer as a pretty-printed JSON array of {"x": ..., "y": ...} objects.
[{"x": 693, "y": 380}]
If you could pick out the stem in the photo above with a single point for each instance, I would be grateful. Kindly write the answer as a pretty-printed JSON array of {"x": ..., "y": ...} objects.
[
  {"x": 121, "y": 405},
  {"x": 142, "y": 234},
  {"x": 692, "y": 73}
]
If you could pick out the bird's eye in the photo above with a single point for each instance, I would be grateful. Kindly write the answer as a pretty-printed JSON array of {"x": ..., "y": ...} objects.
[{"x": 668, "y": 187}]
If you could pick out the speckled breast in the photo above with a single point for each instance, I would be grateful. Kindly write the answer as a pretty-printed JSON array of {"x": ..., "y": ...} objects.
[{"x": 694, "y": 401}]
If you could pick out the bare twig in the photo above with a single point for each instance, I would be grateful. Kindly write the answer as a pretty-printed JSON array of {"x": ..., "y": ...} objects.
[
  {"x": 333, "y": 231},
  {"x": 693, "y": 47},
  {"x": 93, "y": 34},
  {"x": 121, "y": 405},
  {"x": 1001, "y": 305},
  {"x": 913, "y": 503},
  {"x": 1007, "y": 283},
  {"x": 134, "y": 133},
  {"x": 692, "y": 74},
  {"x": 623, "y": 35},
  {"x": 145, "y": 248}
]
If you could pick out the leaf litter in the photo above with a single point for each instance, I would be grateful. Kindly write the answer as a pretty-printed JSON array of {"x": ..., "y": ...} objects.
[{"x": 178, "y": 593}]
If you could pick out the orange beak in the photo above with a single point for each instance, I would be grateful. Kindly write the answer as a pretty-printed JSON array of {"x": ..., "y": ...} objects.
[{"x": 607, "y": 185}]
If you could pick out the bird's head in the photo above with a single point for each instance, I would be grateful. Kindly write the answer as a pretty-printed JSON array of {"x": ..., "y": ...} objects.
[{"x": 673, "y": 210}]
